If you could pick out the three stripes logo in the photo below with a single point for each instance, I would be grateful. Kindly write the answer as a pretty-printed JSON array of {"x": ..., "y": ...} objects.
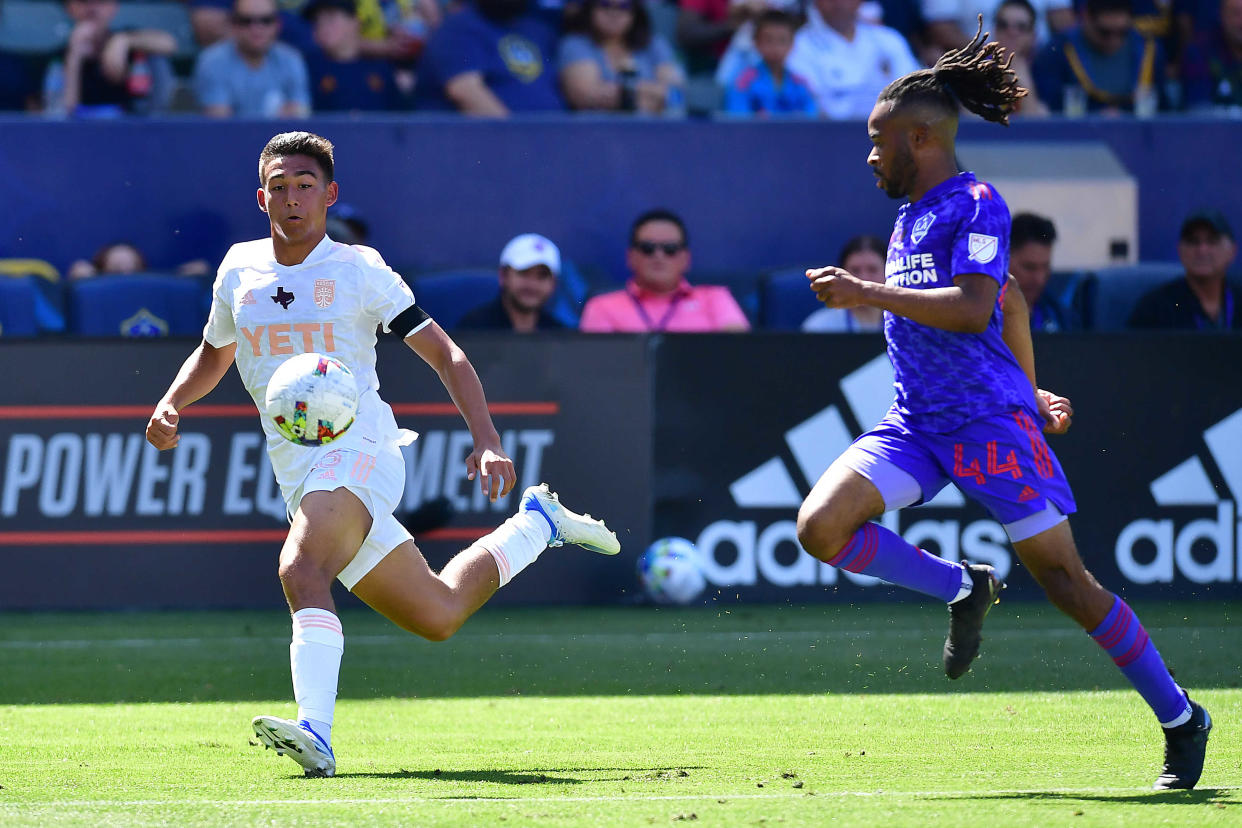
[
  {"x": 820, "y": 439},
  {"x": 1203, "y": 550}
]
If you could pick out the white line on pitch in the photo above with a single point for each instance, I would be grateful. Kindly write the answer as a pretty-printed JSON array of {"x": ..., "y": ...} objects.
[
  {"x": 101, "y": 803},
  {"x": 592, "y": 639}
]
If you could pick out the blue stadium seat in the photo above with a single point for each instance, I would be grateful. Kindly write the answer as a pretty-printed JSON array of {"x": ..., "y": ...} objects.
[
  {"x": 138, "y": 305},
  {"x": 744, "y": 284},
  {"x": 447, "y": 295},
  {"x": 33, "y": 27},
  {"x": 18, "y": 296},
  {"x": 49, "y": 310},
  {"x": 1111, "y": 293},
  {"x": 1065, "y": 289},
  {"x": 785, "y": 300}
]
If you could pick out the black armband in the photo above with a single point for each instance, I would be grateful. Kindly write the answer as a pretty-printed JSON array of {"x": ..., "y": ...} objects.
[{"x": 408, "y": 320}]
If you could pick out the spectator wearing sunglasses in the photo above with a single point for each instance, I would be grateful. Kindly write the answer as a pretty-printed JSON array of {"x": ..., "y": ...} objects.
[
  {"x": 658, "y": 299},
  {"x": 612, "y": 60},
  {"x": 252, "y": 75},
  {"x": 1014, "y": 27},
  {"x": 1102, "y": 66},
  {"x": 951, "y": 23}
]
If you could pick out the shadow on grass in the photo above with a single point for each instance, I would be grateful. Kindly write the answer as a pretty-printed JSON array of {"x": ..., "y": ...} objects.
[
  {"x": 1200, "y": 796},
  {"x": 528, "y": 777}
]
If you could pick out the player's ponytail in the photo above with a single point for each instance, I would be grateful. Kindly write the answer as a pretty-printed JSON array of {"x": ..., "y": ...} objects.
[{"x": 976, "y": 76}]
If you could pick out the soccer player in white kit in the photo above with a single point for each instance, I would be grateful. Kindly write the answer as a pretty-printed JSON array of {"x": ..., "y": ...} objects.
[{"x": 299, "y": 292}]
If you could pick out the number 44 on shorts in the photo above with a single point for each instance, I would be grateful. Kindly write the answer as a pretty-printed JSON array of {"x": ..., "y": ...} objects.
[{"x": 994, "y": 469}]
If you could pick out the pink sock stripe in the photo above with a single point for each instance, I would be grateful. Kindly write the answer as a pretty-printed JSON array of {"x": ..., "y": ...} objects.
[
  {"x": 870, "y": 543},
  {"x": 1120, "y": 629},
  {"x": 319, "y": 625},
  {"x": 846, "y": 550},
  {"x": 316, "y": 618},
  {"x": 1118, "y": 623},
  {"x": 1138, "y": 648}
]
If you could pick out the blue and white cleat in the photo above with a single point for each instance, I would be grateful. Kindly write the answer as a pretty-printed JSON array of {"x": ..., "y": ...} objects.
[
  {"x": 297, "y": 741},
  {"x": 567, "y": 526}
]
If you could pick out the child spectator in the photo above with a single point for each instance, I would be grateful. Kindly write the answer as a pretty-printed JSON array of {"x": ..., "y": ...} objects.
[{"x": 768, "y": 87}]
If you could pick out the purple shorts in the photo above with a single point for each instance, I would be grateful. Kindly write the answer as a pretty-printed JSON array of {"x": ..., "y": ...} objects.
[{"x": 1001, "y": 462}]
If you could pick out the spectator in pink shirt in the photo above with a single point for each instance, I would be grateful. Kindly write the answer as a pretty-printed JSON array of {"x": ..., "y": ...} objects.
[{"x": 658, "y": 298}]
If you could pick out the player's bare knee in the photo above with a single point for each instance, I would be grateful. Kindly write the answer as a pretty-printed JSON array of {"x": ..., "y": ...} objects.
[
  {"x": 302, "y": 579},
  {"x": 1068, "y": 593},
  {"x": 818, "y": 534}
]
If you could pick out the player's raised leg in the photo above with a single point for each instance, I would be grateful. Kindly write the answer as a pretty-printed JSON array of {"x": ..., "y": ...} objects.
[
  {"x": 834, "y": 526},
  {"x": 402, "y": 587},
  {"x": 1053, "y": 560},
  {"x": 328, "y": 529}
]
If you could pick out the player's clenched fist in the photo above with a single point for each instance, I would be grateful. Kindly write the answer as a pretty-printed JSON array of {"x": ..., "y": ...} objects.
[
  {"x": 1056, "y": 410},
  {"x": 835, "y": 287},
  {"x": 162, "y": 427}
]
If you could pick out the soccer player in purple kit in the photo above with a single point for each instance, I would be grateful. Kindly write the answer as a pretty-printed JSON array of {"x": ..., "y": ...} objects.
[{"x": 967, "y": 407}]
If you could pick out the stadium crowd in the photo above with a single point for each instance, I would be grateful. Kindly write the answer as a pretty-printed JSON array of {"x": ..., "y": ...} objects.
[
  {"x": 287, "y": 59},
  {"x": 807, "y": 58}
]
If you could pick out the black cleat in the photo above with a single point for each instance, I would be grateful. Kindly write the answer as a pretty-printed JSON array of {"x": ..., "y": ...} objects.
[
  {"x": 966, "y": 620},
  {"x": 1184, "y": 749}
]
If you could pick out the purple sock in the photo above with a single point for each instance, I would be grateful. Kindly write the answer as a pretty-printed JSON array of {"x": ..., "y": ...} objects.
[
  {"x": 874, "y": 550},
  {"x": 1123, "y": 636}
]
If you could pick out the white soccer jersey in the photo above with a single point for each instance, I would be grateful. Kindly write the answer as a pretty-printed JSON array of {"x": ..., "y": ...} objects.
[{"x": 331, "y": 303}]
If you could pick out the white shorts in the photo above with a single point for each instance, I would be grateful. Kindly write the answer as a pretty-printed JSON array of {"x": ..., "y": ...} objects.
[{"x": 378, "y": 481}]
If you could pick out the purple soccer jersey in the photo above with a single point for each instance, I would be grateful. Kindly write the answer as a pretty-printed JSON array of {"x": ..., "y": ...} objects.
[{"x": 946, "y": 379}]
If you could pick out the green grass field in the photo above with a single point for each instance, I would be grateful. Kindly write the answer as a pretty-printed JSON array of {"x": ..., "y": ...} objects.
[{"x": 794, "y": 715}]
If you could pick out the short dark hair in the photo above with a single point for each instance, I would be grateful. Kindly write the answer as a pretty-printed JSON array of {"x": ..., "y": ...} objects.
[
  {"x": 858, "y": 244},
  {"x": 637, "y": 37},
  {"x": 776, "y": 17},
  {"x": 1029, "y": 227},
  {"x": 659, "y": 214},
  {"x": 1025, "y": 5},
  {"x": 299, "y": 143},
  {"x": 1097, "y": 7}
]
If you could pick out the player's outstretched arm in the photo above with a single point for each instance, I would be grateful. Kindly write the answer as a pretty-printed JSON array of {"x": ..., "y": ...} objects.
[
  {"x": 1016, "y": 331},
  {"x": 964, "y": 308},
  {"x": 200, "y": 373},
  {"x": 488, "y": 461}
]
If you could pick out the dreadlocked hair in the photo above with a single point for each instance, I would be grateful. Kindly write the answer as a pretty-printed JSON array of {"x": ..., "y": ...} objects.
[{"x": 976, "y": 76}]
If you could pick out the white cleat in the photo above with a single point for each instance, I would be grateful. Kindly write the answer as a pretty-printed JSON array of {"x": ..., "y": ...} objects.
[
  {"x": 297, "y": 741},
  {"x": 567, "y": 526}
]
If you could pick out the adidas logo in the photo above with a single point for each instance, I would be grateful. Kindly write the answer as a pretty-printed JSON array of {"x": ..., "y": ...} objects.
[
  {"x": 817, "y": 441},
  {"x": 1189, "y": 483},
  {"x": 748, "y": 552}
]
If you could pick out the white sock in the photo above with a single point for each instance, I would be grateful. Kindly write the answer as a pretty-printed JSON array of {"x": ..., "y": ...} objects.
[
  {"x": 315, "y": 658},
  {"x": 516, "y": 543},
  {"x": 968, "y": 586}
]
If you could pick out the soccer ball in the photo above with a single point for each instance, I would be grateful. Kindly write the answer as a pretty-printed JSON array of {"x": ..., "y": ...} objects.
[
  {"x": 312, "y": 399},
  {"x": 670, "y": 572}
]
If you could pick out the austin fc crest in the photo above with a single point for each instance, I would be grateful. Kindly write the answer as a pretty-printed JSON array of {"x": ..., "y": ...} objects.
[
  {"x": 325, "y": 292},
  {"x": 921, "y": 227}
]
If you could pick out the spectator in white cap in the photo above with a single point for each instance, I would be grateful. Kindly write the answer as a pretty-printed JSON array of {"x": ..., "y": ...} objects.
[{"x": 529, "y": 267}]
